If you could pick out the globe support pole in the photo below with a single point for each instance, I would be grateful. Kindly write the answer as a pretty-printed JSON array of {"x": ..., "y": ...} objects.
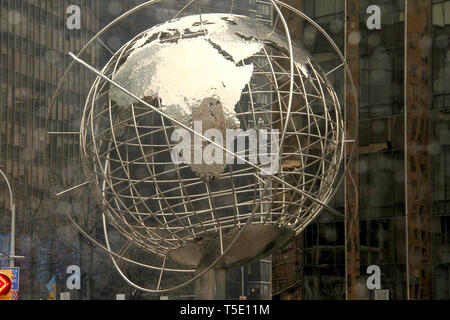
[{"x": 211, "y": 285}]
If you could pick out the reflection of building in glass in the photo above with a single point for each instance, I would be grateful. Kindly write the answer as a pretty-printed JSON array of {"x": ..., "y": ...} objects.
[
  {"x": 34, "y": 43},
  {"x": 413, "y": 249}
]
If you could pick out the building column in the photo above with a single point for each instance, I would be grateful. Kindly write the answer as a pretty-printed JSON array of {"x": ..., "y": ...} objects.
[
  {"x": 211, "y": 285},
  {"x": 417, "y": 158},
  {"x": 352, "y": 241}
]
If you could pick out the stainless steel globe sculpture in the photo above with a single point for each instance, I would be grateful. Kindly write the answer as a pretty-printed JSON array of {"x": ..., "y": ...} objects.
[{"x": 231, "y": 72}]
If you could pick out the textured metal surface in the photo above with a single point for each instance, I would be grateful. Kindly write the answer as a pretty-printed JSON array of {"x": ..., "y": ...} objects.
[{"x": 185, "y": 61}]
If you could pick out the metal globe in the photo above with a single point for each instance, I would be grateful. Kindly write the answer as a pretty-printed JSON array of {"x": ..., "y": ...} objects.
[{"x": 229, "y": 72}]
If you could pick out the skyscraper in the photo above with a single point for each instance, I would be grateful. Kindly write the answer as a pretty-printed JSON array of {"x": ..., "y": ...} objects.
[
  {"x": 395, "y": 198},
  {"x": 35, "y": 40}
]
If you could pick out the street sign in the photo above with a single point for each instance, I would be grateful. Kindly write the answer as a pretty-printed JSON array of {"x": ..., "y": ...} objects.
[
  {"x": 15, "y": 277},
  {"x": 5, "y": 285}
]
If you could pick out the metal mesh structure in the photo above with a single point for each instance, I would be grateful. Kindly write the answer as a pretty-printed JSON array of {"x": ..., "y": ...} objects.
[
  {"x": 162, "y": 205},
  {"x": 228, "y": 72}
]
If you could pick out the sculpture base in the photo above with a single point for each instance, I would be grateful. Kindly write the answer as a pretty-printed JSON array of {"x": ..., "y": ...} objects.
[{"x": 257, "y": 241}]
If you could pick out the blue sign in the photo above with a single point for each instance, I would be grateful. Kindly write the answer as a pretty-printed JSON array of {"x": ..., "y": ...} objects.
[{"x": 15, "y": 278}]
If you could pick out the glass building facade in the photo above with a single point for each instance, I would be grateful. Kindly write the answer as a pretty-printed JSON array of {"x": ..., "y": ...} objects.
[
  {"x": 34, "y": 43},
  {"x": 399, "y": 224}
]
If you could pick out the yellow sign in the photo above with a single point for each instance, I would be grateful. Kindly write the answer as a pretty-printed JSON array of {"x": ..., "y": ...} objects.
[{"x": 9, "y": 274}]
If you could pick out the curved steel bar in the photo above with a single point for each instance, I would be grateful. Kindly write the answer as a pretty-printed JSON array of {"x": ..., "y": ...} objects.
[
  {"x": 12, "y": 251},
  {"x": 9, "y": 189},
  {"x": 89, "y": 43},
  {"x": 85, "y": 234}
]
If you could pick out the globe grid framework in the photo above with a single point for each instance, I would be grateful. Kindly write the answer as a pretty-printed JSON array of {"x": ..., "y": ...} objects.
[{"x": 204, "y": 216}]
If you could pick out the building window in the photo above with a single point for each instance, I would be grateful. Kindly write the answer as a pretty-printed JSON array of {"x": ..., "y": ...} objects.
[{"x": 264, "y": 9}]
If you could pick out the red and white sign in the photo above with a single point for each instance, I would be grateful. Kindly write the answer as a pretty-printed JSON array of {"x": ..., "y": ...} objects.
[{"x": 5, "y": 285}]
